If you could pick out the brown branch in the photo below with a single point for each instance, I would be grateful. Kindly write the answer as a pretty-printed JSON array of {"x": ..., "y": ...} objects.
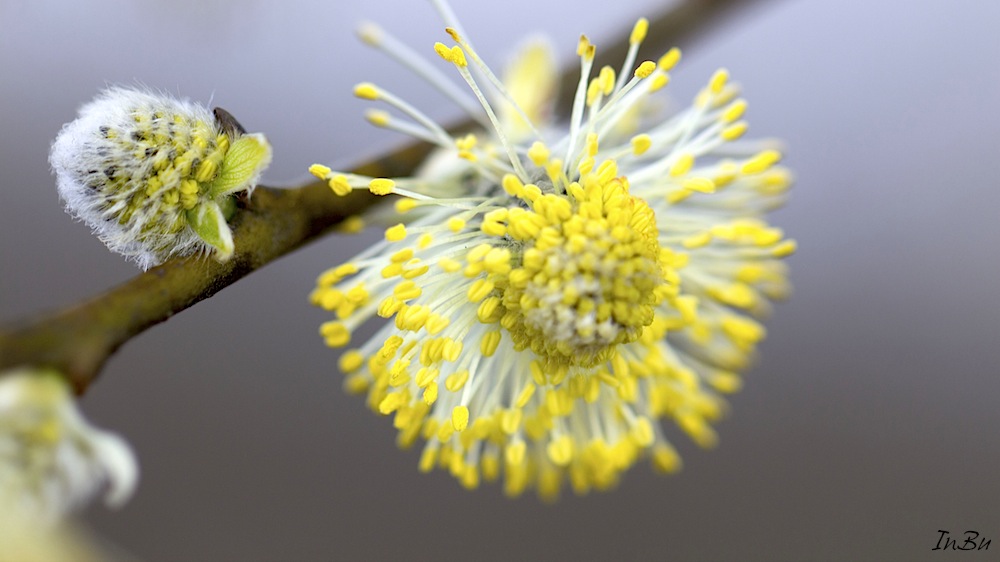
[{"x": 79, "y": 340}]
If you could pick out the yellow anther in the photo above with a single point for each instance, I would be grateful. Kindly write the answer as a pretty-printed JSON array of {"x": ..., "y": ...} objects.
[
  {"x": 497, "y": 260},
  {"x": 666, "y": 459},
  {"x": 206, "y": 171},
  {"x": 406, "y": 290},
  {"x": 560, "y": 450},
  {"x": 499, "y": 215},
  {"x": 351, "y": 361},
  {"x": 734, "y": 131},
  {"x": 430, "y": 393},
  {"x": 727, "y": 95},
  {"x": 697, "y": 240},
  {"x": 510, "y": 420},
  {"x": 738, "y": 295},
  {"x": 639, "y": 31},
  {"x": 594, "y": 91},
  {"x": 537, "y": 373},
  {"x": 455, "y": 381},
  {"x": 458, "y": 57},
  {"x": 460, "y": 418},
  {"x": 584, "y": 48},
  {"x": 402, "y": 256},
  {"x": 701, "y": 185},
  {"x": 660, "y": 80},
  {"x": 489, "y": 310},
  {"x": 366, "y": 90},
  {"x": 468, "y": 142},
  {"x": 333, "y": 275},
  {"x": 469, "y": 478},
  {"x": 414, "y": 269},
  {"x": 320, "y": 171},
  {"x": 444, "y": 433},
  {"x": 477, "y": 253},
  {"x": 405, "y": 205},
  {"x": 352, "y": 225},
  {"x": 479, "y": 290},
  {"x": 378, "y": 117},
  {"x": 428, "y": 458},
  {"x": 669, "y": 59},
  {"x": 785, "y": 248},
  {"x": 171, "y": 197},
  {"x": 514, "y": 453},
  {"x": 593, "y": 144},
  {"x": 532, "y": 191},
  {"x": 443, "y": 51},
  {"x": 641, "y": 143},
  {"x": 682, "y": 165},
  {"x": 357, "y": 295},
  {"x": 493, "y": 228},
  {"x": 436, "y": 324},
  {"x": 699, "y": 431},
  {"x": 340, "y": 185},
  {"x": 426, "y": 376},
  {"x": 642, "y": 432},
  {"x": 491, "y": 466},
  {"x": 607, "y": 80},
  {"x": 512, "y": 185},
  {"x": 525, "y": 395},
  {"x": 395, "y": 233},
  {"x": 489, "y": 342},
  {"x": 189, "y": 187},
  {"x": 449, "y": 265},
  {"x": 335, "y": 333},
  {"x": 357, "y": 383},
  {"x": 392, "y": 402},
  {"x": 718, "y": 81},
  {"x": 455, "y": 224},
  {"x": 398, "y": 374},
  {"x": 734, "y": 111},
  {"x": 607, "y": 171},
  {"x": 370, "y": 33},
  {"x": 645, "y": 69},
  {"x": 687, "y": 305},
  {"x": 381, "y": 186},
  {"x": 761, "y": 162},
  {"x": 538, "y": 153}
]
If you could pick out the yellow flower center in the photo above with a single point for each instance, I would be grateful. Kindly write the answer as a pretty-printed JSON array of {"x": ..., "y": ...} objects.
[{"x": 590, "y": 274}]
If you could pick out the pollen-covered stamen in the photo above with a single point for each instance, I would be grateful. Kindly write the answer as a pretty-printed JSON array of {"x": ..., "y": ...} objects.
[
  {"x": 585, "y": 50},
  {"x": 384, "y": 120},
  {"x": 638, "y": 35},
  {"x": 643, "y": 71},
  {"x": 589, "y": 275},
  {"x": 491, "y": 78},
  {"x": 372, "y": 34},
  {"x": 412, "y": 189},
  {"x": 456, "y": 56},
  {"x": 369, "y": 91}
]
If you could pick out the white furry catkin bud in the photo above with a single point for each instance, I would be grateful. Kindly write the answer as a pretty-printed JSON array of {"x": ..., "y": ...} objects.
[
  {"x": 153, "y": 176},
  {"x": 52, "y": 460}
]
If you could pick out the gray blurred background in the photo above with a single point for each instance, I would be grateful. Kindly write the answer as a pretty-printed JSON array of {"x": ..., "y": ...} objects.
[{"x": 869, "y": 424}]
